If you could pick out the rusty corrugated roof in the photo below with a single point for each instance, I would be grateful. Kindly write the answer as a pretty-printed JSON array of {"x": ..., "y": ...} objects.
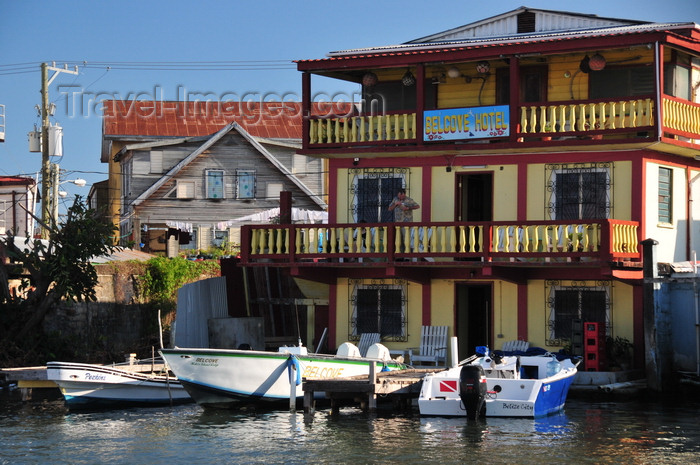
[
  {"x": 274, "y": 120},
  {"x": 269, "y": 120}
]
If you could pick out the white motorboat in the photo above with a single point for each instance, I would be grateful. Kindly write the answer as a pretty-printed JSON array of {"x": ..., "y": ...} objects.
[
  {"x": 135, "y": 383},
  {"x": 498, "y": 386},
  {"x": 234, "y": 378}
]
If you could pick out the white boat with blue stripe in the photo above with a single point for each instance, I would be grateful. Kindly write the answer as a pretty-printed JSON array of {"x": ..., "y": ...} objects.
[{"x": 495, "y": 385}]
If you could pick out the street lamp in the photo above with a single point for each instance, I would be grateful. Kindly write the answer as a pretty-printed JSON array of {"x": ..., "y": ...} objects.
[
  {"x": 62, "y": 194},
  {"x": 78, "y": 182}
]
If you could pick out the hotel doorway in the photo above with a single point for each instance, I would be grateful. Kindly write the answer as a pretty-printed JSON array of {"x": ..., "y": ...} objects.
[{"x": 474, "y": 317}]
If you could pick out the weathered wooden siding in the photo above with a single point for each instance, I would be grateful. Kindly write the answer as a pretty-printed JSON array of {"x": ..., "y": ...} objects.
[{"x": 230, "y": 154}]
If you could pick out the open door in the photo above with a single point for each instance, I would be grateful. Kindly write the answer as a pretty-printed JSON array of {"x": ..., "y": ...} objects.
[
  {"x": 474, "y": 315},
  {"x": 474, "y": 197}
]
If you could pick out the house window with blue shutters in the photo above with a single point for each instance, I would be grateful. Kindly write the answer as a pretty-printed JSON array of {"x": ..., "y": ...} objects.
[
  {"x": 245, "y": 184},
  {"x": 215, "y": 184},
  {"x": 665, "y": 189}
]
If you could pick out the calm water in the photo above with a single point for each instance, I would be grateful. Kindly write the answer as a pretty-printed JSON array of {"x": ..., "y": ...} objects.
[{"x": 600, "y": 433}]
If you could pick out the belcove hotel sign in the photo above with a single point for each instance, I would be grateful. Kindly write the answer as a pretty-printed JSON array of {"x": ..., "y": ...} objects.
[{"x": 466, "y": 123}]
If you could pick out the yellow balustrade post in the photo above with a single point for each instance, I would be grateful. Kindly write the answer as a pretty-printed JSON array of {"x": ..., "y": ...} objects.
[
  {"x": 543, "y": 118},
  {"x": 648, "y": 117},
  {"x": 370, "y": 128},
  {"x": 346, "y": 128},
  {"x": 582, "y": 117},
  {"x": 523, "y": 119},
  {"x": 337, "y": 130},
  {"x": 306, "y": 240},
  {"x": 297, "y": 242},
  {"x": 572, "y": 117},
  {"x": 533, "y": 119},
  {"x": 552, "y": 119},
  {"x": 453, "y": 239},
  {"x": 341, "y": 240},
  {"x": 353, "y": 128},
  {"x": 562, "y": 119},
  {"x": 602, "y": 117},
  {"x": 472, "y": 239},
  {"x": 623, "y": 114},
  {"x": 263, "y": 240},
  {"x": 362, "y": 128},
  {"x": 524, "y": 239},
  {"x": 613, "y": 116},
  {"x": 592, "y": 117},
  {"x": 413, "y": 126},
  {"x": 332, "y": 236}
]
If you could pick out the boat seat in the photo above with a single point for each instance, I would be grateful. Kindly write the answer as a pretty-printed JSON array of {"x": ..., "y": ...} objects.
[
  {"x": 348, "y": 349},
  {"x": 378, "y": 351}
]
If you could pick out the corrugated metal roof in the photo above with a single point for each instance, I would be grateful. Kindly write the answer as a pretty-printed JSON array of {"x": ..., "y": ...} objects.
[
  {"x": 123, "y": 255},
  {"x": 429, "y": 47},
  {"x": 268, "y": 120},
  {"x": 16, "y": 180},
  {"x": 272, "y": 120},
  {"x": 508, "y": 24}
]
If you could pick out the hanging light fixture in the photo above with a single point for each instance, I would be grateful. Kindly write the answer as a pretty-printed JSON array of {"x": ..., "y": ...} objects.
[
  {"x": 596, "y": 62},
  {"x": 369, "y": 79},
  {"x": 454, "y": 72},
  {"x": 483, "y": 67},
  {"x": 408, "y": 79}
]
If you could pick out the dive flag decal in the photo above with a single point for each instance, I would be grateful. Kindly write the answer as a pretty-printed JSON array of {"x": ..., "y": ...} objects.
[{"x": 448, "y": 385}]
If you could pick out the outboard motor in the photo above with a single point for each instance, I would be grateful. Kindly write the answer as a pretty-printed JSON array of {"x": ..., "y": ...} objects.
[{"x": 472, "y": 390}]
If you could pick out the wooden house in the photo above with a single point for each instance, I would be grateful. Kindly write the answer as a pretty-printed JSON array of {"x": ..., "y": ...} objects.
[
  {"x": 542, "y": 147},
  {"x": 182, "y": 172},
  {"x": 17, "y": 200}
]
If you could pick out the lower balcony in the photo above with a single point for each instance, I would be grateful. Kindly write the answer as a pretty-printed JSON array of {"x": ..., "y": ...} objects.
[{"x": 443, "y": 244}]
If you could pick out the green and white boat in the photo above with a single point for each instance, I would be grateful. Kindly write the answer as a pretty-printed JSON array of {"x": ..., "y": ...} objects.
[{"x": 232, "y": 378}]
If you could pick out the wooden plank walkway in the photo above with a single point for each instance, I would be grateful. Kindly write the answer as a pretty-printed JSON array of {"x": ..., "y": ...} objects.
[
  {"x": 400, "y": 386},
  {"x": 27, "y": 379}
]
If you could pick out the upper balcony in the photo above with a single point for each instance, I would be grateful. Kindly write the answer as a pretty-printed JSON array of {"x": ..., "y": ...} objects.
[{"x": 625, "y": 97}]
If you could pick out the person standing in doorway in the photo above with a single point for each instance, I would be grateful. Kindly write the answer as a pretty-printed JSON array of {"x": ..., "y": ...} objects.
[{"x": 403, "y": 207}]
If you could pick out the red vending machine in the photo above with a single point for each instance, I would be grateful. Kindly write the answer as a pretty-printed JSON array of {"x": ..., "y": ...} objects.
[{"x": 594, "y": 346}]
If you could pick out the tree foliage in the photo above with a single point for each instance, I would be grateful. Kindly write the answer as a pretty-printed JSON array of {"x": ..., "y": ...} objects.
[
  {"x": 50, "y": 270},
  {"x": 164, "y": 276}
]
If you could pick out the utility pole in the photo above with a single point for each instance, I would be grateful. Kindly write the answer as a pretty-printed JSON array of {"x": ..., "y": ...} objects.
[{"x": 48, "y": 200}]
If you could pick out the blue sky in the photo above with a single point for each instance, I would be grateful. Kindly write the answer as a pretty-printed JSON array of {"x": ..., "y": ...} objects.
[{"x": 129, "y": 47}]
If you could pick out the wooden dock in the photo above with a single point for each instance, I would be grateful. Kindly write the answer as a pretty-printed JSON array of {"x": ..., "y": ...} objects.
[
  {"x": 27, "y": 378},
  {"x": 400, "y": 386}
]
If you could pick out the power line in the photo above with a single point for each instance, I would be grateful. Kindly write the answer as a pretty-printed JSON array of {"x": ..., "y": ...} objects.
[{"x": 247, "y": 65}]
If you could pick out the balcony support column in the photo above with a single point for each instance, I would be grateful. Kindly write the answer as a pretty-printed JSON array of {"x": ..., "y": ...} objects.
[
  {"x": 420, "y": 101},
  {"x": 305, "y": 108},
  {"x": 659, "y": 71},
  {"x": 514, "y": 95}
]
